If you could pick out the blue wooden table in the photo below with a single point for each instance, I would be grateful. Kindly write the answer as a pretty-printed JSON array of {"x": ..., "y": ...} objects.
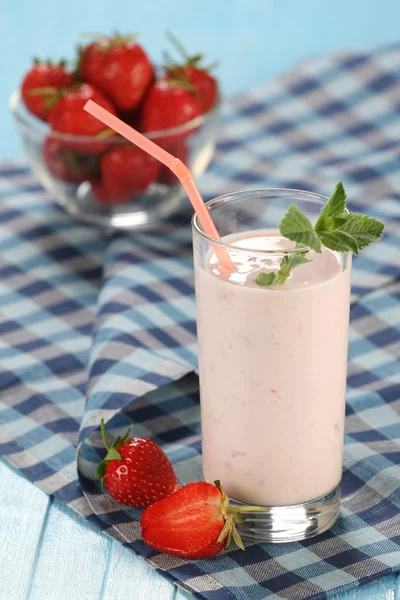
[{"x": 46, "y": 551}]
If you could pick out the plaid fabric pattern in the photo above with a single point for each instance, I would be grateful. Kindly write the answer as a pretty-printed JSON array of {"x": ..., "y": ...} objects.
[{"x": 95, "y": 328}]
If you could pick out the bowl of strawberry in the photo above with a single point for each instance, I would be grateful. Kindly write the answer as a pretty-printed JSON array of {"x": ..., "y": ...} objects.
[{"x": 94, "y": 173}]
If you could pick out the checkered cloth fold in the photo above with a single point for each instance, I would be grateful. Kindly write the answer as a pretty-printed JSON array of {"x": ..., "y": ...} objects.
[{"x": 333, "y": 118}]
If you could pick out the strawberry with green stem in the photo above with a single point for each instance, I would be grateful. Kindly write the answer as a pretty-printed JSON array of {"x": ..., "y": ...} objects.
[
  {"x": 68, "y": 117},
  {"x": 119, "y": 67},
  {"x": 136, "y": 471},
  {"x": 197, "y": 521},
  {"x": 41, "y": 86},
  {"x": 192, "y": 72},
  {"x": 169, "y": 104}
]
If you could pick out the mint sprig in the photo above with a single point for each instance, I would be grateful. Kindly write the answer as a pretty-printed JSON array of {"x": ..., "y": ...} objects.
[
  {"x": 336, "y": 228},
  {"x": 288, "y": 263}
]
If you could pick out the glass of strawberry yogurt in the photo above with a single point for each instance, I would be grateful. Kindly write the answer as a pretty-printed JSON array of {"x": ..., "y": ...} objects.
[{"x": 272, "y": 364}]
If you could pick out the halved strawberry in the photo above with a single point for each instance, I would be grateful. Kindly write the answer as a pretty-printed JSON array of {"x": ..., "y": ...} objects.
[{"x": 196, "y": 521}]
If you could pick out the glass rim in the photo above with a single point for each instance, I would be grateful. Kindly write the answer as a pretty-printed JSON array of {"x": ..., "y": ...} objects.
[
  {"x": 225, "y": 198},
  {"x": 42, "y": 128}
]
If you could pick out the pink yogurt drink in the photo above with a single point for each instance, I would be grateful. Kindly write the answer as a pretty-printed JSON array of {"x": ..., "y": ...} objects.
[{"x": 272, "y": 363}]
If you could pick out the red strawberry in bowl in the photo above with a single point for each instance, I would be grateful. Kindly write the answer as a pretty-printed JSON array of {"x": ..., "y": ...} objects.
[
  {"x": 41, "y": 84},
  {"x": 136, "y": 471},
  {"x": 126, "y": 172},
  {"x": 119, "y": 67},
  {"x": 193, "y": 72},
  {"x": 169, "y": 104},
  {"x": 68, "y": 117},
  {"x": 196, "y": 521},
  {"x": 68, "y": 165}
]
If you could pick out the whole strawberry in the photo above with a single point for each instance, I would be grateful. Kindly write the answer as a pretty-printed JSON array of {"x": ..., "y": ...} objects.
[
  {"x": 169, "y": 103},
  {"x": 68, "y": 117},
  {"x": 196, "y": 521},
  {"x": 40, "y": 86},
  {"x": 192, "y": 72},
  {"x": 68, "y": 165},
  {"x": 119, "y": 67},
  {"x": 136, "y": 471},
  {"x": 126, "y": 172}
]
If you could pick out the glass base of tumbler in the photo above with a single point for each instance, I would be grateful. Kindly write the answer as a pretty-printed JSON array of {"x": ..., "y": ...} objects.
[{"x": 291, "y": 523}]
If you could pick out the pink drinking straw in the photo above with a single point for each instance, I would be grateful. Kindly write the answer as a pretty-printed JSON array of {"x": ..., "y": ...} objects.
[{"x": 173, "y": 163}]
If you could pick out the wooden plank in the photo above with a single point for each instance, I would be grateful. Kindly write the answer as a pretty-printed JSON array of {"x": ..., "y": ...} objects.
[
  {"x": 130, "y": 577},
  {"x": 23, "y": 513},
  {"x": 387, "y": 588},
  {"x": 72, "y": 558}
]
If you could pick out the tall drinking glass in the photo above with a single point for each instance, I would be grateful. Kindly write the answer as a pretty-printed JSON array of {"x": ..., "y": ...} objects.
[{"x": 272, "y": 361}]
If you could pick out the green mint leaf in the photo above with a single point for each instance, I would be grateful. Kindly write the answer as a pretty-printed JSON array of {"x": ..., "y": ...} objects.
[
  {"x": 340, "y": 221},
  {"x": 288, "y": 263},
  {"x": 363, "y": 229},
  {"x": 297, "y": 259},
  {"x": 295, "y": 226},
  {"x": 266, "y": 278},
  {"x": 338, "y": 240},
  {"x": 332, "y": 210}
]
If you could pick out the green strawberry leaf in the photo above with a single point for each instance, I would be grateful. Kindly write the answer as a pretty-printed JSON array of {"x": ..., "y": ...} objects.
[
  {"x": 101, "y": 471},
  {"x": 112, "y": 451}
]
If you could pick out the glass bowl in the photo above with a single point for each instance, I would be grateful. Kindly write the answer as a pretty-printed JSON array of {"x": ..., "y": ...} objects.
[{"x": 69, "y": 167}]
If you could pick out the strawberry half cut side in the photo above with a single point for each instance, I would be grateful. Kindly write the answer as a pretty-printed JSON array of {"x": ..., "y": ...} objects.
[{"x": 197, "y": 521}]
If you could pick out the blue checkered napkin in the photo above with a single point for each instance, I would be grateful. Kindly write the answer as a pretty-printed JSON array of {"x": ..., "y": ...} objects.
[{"x": 330, "y": 119}]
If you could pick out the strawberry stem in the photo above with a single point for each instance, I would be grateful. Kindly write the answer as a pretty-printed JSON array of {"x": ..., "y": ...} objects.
[
  {"x": 231, "y": 510},
  {"x": 178, "y": 45},
  {"x": 112, "y": 451},
  {"x": 104, "y": 435},
  {"x": 233, "y": 515},
  {"x": 106, "y": 133},
  {"x": 43, "y": 91}
]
